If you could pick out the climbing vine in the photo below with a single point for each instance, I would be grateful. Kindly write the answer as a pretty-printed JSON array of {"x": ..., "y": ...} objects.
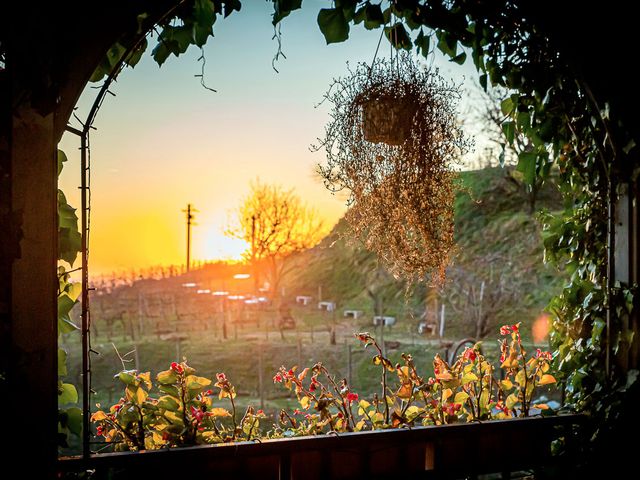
[
  {"x": 553, "y": 104},
  {"x": 69, "y": 414}
]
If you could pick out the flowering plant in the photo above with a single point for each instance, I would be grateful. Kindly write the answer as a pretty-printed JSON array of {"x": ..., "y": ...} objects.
[{"x": 466, "y": 390}]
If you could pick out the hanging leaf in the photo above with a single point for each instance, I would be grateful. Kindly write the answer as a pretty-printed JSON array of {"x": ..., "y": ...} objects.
[
  {"x": 333, "y": 25},
  {"x": 422, "y": 43},
  {"x": 282, "y": 8},
  {"x": 398, "y": 36},
  {"x": 527, "y": 165},
  {"x": 459, "y": 59}
]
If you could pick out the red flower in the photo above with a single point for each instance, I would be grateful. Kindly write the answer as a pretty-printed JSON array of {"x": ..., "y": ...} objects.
[
  {"x": 470, "y": 355},
  {"x": 260, "y": 412},
  {"x": 505, "y": 330},
  {"x": 363, "y": 337},
  {"x": 431, "y": 381},
  {"x": 209, "y": 392},
  {"x": 314, "y": 384},
  {"x": 117, "y": 407},
  {"x": 221, "y": 377},
  {"x": 277, "y": 378},
  {"x": 452, "y": 408},
  {"x": 543, "y": 355},
  {"x": 352, "y": 397},
  {"x": 502, "y": 407},
  {"x": 290, "y": 373},
  {"x": 297, "y": 412},
  {"x": 197, "y": 414},
  {"x": 176, "y": 367},
  {"x": 100, "y": 430},
  {"x": 514, "y": 328},
  {"x": 340, "y": 415}
]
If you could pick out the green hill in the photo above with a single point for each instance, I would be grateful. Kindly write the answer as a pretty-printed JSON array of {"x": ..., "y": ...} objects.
[{"x": 497, "y": 275}]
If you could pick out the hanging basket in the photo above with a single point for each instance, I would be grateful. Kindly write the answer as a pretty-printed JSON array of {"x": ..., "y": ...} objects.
[
  {"x": 388, "y": 118},
  {"x": 391, "y": 142}
]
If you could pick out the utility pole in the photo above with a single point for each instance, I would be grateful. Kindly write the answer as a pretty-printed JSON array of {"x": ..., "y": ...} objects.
[{"x": 189, "y": 211}]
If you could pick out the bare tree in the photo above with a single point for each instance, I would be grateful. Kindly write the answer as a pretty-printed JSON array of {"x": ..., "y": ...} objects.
[
  {"x": 481, "y": 291},
  {"x": 275, "y": 223}
]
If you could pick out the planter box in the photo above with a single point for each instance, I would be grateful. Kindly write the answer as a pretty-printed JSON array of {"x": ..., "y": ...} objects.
[{"x": 427, "y": 452}]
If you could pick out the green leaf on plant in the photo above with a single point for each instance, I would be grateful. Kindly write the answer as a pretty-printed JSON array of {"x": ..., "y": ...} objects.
[
  {"x": 282, "y": 8},
  {"x": 128, "y": 377},
  {"x": 62, "y": 157},
  {"x": 460, "y": 58},
  {"x": 74, "y": 420},
  {"x": 167, "y": 377},
  {"x": 509, "y": 130},
  {"x": 333, "y": 25},
  {"x": 169, "y": 402},
  {"x": 62, "y": 362},
  {"x": 67, "y": 393},
  {"x": 373, "y": 16},
  {"x": 507, "y": 106},
  {"x": 422, "y": 43},
  {"x": 527, "y": 165},
  {"x": 447, "y": 44},
  {"x": 398, "y": 36},
  {"x": 460, "y": 397}
]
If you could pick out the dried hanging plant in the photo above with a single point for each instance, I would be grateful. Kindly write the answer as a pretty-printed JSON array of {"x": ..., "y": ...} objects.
[{"x": 391, "y": 142}]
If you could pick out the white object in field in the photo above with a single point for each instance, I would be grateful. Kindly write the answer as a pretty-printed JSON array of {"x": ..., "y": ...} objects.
[
  {"x": 383, "y": 320},
  {"x": 424, "y": 326},
  {"x": 220, "y": 293},
  {"x": 303, "y": 300},
  {"x": 442, "y": 319},
  {"x": 355, "y": 314},
  {"x": 327, "y": 306}
]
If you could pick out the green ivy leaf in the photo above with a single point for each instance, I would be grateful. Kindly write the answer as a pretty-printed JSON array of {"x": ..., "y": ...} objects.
[
  {"x": 509, "y": 130},
  {"x": 282, "y": 8},
  {"x": 62, "y": 158},
  {"x": 65, "y": 325},
  {"x": 422, "y": 43},
  {"x": 373, "y": 17},
  {"x": 333, "y": 25},
  {"x": 527, "y": 165},
  {"x": 507, "y": 106},
  {"x": 447, "y": 44},
  {"x": 74, "y": 420},
  {"x": 398, "y": 36},
  {"x": 62, "y": 362},
  {"x": 67, "y": 393},
  {"x": 459, "y": 59}
]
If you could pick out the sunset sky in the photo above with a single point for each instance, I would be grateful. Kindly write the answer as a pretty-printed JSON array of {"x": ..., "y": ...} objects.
[{"x": 164, "y": 141}]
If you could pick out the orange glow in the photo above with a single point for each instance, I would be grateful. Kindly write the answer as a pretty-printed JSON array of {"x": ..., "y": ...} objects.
[{"x": 540, "y": 328}]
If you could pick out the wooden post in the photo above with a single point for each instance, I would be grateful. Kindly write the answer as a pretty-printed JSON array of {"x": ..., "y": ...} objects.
[{"x": 32, "y": 325}]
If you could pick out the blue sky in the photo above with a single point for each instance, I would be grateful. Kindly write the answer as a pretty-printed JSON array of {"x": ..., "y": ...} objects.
[{"x": 164, "y": 141}]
